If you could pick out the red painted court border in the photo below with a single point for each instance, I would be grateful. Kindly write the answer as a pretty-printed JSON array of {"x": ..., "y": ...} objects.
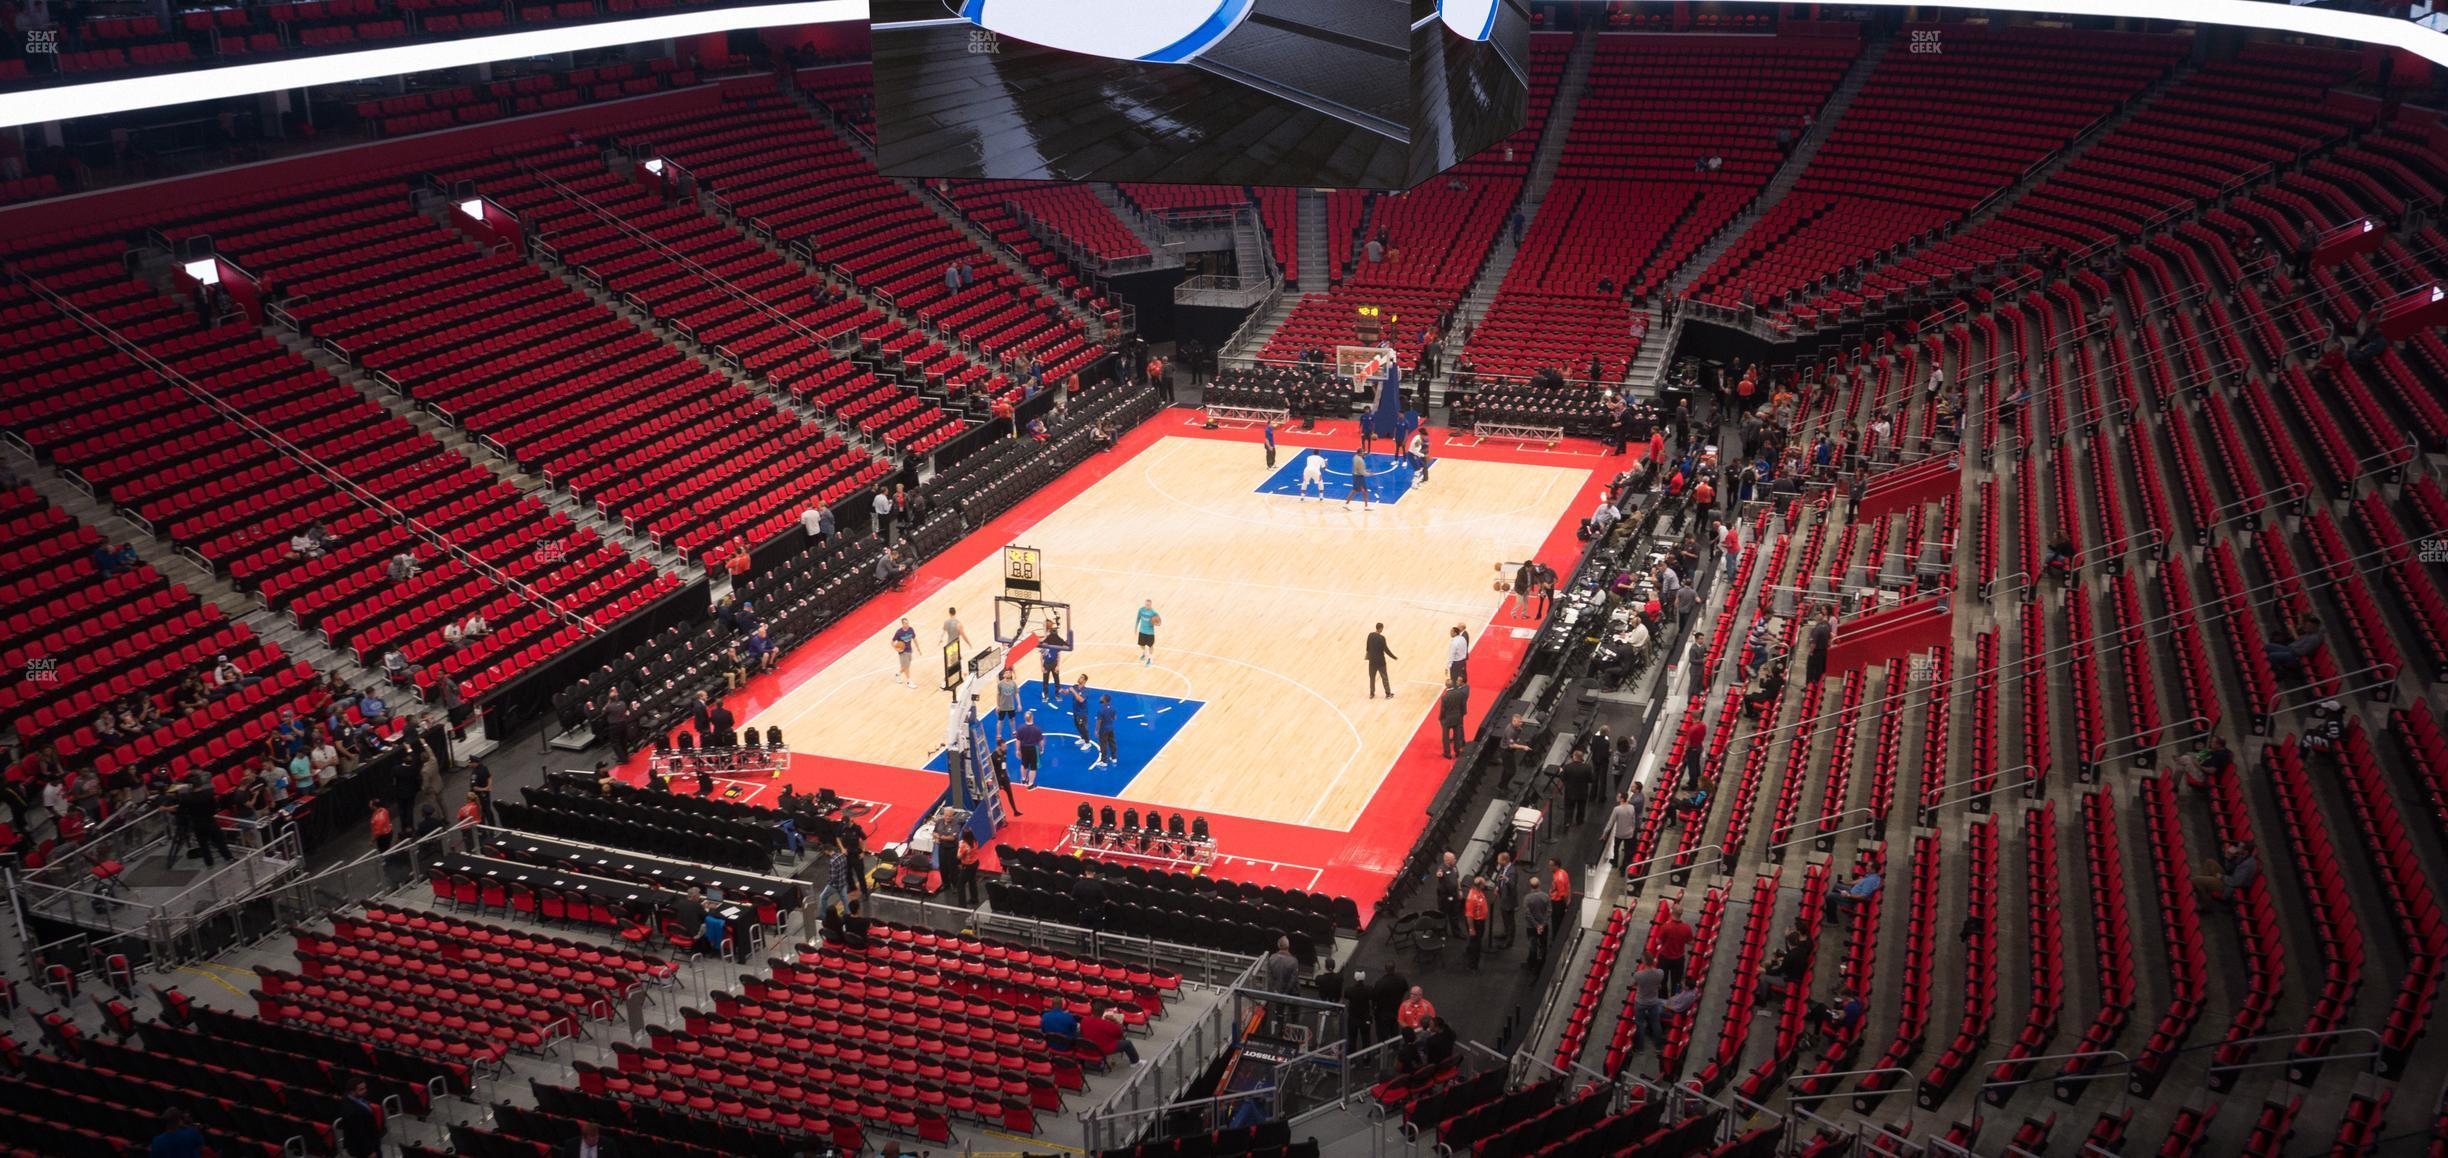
[{"x": 1358, "y": 863}]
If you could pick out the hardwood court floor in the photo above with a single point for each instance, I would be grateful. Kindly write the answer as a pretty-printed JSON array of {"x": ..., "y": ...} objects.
[{"x": 1266, "y": 600}]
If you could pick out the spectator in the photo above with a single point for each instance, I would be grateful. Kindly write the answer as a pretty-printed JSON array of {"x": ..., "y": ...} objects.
[
  {"x": 1786, "y": 970},
  {"x": 1623, "y": 828},
  {"x": 589, "y": 1143},
  {"x": 1104, "y": 1030},
  {"x": 1648, "y": 1003},
  {"x": 225, "y": 675},
  {"x": 2290, "y": 660},
  {"x": 1842, "y": 902},
  {"x": 2206, "y": 763},
  {"x": 403, "y": 567},
  {"x": 304, "y": 545},
  {"x": 2223, "y": 879},
  {"x": 1060, "y": 1026},
  {"x": 1415, "y": 1012},
  {"x": 1840, "y": 1018},
  {"x": 178, "y": 1138},
  {"x": 361, "y": 1129}
]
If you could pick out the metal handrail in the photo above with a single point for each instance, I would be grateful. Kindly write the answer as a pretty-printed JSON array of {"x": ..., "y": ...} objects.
[
  {"x": 2378, "y": 1050},
  {"x": 1631, "y": 881},
  {"x": 2408, "y": 449},
  {"x": 1989, "y": 590},
  {"x": 2099, "y": 755},
  {"x": 1821, "y": 819},
  {"x": 2125, "y": 1061},
  {"x": 2294, "y": 492},
  {"x": 1927, "y": 809},
  {"x": 2152, "y": 536},
  {"x": 2387, "y": 679},
  {"x": 331, "y": 474}
]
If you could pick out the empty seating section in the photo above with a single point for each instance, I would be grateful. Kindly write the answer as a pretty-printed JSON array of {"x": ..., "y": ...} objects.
[
  {"x": 2228, "y": 123},
  {"x": 225, "y": 492},
  {"x": 1435, "y": 238},
  {"x": 1932, "y": 134},
  {"x": 1168, "y": 905},
  {"x": 765, "y": 157},
  {"x": 559, "y": 383},
  {"x": 1072, "y": 213},
  {"x": 990, "y": 211},
  {"x": 1695, "y": 119},
  {"x": 441, "y": 108}
]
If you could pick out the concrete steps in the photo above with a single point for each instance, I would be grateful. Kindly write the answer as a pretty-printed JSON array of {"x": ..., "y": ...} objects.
[
  {"x": 1481, "y": 296},
  {"x": 1788, "y": 173}
]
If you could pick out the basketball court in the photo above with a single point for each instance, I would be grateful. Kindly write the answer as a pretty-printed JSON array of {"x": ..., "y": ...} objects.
[{"x": 1254, "y": 711}]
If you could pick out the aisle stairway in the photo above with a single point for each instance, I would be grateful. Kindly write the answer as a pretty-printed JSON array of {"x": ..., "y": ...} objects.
[
  {"x": 1791, "y": 171},
  {"x": 1482, "y": 293}
]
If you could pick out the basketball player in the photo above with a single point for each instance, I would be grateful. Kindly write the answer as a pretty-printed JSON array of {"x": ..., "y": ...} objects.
[
  {"x": 1313, "y": 476},
  {"x": 1360, "y": 486},
  {"x": 905, "y": 646},
  {"x": 1049, "y": 653},
  {"x": 1007, "y": 705},
  {"x": 1076, "y": 698},
  {"x": 1148, "y": 621}
]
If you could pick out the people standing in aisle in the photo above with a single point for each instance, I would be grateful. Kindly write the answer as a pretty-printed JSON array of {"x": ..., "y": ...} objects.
[
  {"x": 1503, "y": 881},
  {"x": 1147, "y": 623},
  {"x": 1580, "y": 782},
  {"x": 1474, "y": 920},
  {"x": 1378, "y": 654},
  {"x": 1624, "y": 827},
  {"x": 1449, "y": 893},
  {"x": 883, "y": 507},
  {"x": 1457, "y": 654},
  {"x": 1538, "y": 918},
  {"x": 1672, "y": 939}
]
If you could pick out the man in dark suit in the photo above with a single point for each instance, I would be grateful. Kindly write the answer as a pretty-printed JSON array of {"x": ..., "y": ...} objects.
[
  {"x": 361, "y": 1128},
  {"x": 1378, "y": 654},
  {"x": 1453, "y": 706},
  {"x": 588, "y": 1144},
  {"x": 724, "y": 734},
  {"x": 1386, "y": 997}
]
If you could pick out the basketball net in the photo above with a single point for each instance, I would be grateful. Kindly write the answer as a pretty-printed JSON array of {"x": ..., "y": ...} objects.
[{"x": 1363, "y": 363}]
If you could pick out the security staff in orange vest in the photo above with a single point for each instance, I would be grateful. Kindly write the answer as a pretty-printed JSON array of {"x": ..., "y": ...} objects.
[{"x": 1475, "y": 918}]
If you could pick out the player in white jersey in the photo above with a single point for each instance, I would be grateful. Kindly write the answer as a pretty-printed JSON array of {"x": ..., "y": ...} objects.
[{"x": 1313, "y": 476}]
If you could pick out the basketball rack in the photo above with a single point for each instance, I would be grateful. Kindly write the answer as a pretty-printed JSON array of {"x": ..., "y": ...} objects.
[
  {"x": 1516, "y": 432},
  {"x": 1218, "y": 415},
  {"x": 1141, "y": 846},
  {"x": 720, "y": 763}
]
